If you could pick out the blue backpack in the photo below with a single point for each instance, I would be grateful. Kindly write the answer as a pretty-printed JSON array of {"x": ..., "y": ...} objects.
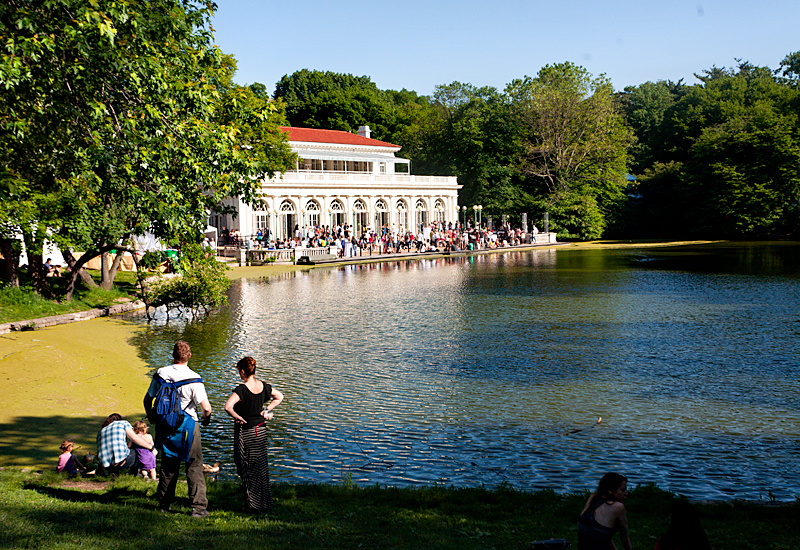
[{"x": 167, "y": 406}]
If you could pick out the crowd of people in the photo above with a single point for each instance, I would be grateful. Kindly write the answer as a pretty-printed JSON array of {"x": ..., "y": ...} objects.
[{"x": 388, "y": 239}]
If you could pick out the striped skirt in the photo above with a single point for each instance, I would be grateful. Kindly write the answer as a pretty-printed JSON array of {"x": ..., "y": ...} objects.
[{"x": 250, "y": 455}]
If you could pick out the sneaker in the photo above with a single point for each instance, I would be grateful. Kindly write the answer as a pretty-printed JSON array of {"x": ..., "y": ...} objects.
[{"x": 199, "y": 514}]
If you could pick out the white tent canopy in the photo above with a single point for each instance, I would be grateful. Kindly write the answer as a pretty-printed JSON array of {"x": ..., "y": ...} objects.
[
  {"x": 211, "y": 233},
  {"x": 148, "y": 243}
]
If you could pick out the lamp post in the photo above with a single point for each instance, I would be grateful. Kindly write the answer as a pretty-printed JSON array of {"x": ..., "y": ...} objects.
[
  {"x": 304, "y": 233},
  {"x": 480, "y": 214},
  {"x": 269, "y": 225},
  {"x": 475, "y": 214},
  {"x": 464, "y": 213},
  {"x": 376, "y": 238}
]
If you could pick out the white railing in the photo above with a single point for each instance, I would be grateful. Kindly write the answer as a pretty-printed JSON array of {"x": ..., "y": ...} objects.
[
  {"x": 311, "y": 175},
  {"x": 288, "y": 255},
  {"x": 542, "y": 238}
]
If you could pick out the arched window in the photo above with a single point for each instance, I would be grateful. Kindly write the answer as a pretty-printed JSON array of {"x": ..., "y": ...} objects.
[
  {"x": 260, "y": 205},
  {"x": 420, "y": 205},
  {"x": 287, "y": 207},
  {"x": 312, "y": 206},
  {"x": 337, "y": 206},
  {"x": 402, "y": 215},
  {"x": 380, "y": 206},
  {"x": 439, "y": 209},
  {"x": 359, "y": 206}
]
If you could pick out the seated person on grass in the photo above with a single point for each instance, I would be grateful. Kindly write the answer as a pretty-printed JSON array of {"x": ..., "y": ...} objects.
[{"x": 51, "y": 270}]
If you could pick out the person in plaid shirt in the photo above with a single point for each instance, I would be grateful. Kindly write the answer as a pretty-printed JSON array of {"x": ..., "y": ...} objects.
[{"x": 112, "y": 445}]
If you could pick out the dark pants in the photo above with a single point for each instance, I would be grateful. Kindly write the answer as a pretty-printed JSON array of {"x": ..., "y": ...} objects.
[
  {"x": 168, "y": 476},
  {"x": 129, "y": 465}
]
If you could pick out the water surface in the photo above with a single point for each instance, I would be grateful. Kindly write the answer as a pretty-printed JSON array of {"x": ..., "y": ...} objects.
[{"x": 494, "y": 368}]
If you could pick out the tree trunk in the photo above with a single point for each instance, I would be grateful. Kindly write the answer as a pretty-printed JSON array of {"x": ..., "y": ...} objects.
[
  {"x": 105, "y": 284},
  {"x": 36, "y": 270},
  {"x": 76, "y": 270},
  {"x": 34, "y": 247},
  {"x": 10, "y": 261},
  {"x": 82, "y": 273},
  {"x": 109, "y": 273},
  {"x": 77, "y": 266}
]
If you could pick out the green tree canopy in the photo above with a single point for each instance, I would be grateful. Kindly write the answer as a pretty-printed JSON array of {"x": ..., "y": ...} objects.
[
  {"x": 576, "y": 144},
  {"x": 119, "y": 117},
  {"x": 734, "y": 141},
  {"x": 333, "y": 101}
]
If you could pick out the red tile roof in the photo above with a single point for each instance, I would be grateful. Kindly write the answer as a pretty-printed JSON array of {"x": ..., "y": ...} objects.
[{"x": 312, "y": 135}]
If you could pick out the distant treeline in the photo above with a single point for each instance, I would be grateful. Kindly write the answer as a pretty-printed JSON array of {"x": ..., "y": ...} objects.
[{"x": 718, "y": 159}]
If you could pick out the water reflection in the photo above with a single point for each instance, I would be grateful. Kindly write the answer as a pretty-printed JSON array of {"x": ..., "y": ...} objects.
[{"x": 471, "y": 370}]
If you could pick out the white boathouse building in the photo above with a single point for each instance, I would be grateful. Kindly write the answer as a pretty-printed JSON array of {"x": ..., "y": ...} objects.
[{"x": 344, "y": 178}]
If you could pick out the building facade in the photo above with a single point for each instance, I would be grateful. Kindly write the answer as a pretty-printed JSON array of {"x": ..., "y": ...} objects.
[{"x": 344, "y": 178}]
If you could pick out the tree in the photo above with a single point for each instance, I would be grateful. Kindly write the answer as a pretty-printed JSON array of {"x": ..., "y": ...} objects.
[
  {"x": 749, "y": 167},
  {"x": 118, "y": 118},
  {"x": 201, "y": 284},
  {"x": 791, "y": 67},
  {"x": 334, "y": 101},
  {"x": 576, "y": 143},
  {"x": 644, "y": 110},
  {"x": 478, "y": 141},
  {"x": 735, "y": 139}
]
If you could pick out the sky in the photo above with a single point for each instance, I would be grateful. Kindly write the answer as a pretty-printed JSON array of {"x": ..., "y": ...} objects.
[{"x": 418, "y": 44}]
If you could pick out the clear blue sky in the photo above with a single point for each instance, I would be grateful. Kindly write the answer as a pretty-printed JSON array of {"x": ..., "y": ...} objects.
[{"x": 417, "y": 44}]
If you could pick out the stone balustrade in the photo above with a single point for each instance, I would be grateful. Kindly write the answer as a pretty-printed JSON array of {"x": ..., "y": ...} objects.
[{"x": 287, "y": 255}]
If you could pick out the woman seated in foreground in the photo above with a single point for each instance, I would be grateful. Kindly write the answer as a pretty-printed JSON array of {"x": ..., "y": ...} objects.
[
  {"x": 604, "y": 515},
  {"x": 685, "y": 531}
]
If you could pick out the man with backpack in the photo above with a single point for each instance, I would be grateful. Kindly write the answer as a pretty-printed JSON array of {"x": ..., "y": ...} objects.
[{"x": 178, "y": 391}]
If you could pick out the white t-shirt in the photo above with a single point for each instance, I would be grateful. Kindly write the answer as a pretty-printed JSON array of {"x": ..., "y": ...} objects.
[{"x": 191, "y": 394}]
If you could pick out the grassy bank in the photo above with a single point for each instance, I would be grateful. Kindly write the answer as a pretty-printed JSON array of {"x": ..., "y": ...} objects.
[
  {"x": 19, "y": 304},
  {"x": 49, "y": 511}
]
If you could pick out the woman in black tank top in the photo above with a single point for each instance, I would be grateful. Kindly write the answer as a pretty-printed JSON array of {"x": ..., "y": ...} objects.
[
  {"x": 250, "y": 443},
  {"x": 604, "y": 515}
]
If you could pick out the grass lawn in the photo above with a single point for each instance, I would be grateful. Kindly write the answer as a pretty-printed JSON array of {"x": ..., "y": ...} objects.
[
  {"x": 50, "y": 511},
  {"x": 19, "y": 304}
]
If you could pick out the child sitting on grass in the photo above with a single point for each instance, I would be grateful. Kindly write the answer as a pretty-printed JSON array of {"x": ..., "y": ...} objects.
[
  {"x": 66, "y": 461},
  {"x": 147, "y": 458}
]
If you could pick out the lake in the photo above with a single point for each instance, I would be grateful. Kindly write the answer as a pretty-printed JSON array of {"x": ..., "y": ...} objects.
[{"x": 495, "y": 368}]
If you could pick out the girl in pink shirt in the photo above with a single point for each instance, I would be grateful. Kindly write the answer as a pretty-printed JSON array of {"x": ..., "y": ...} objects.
[{"x": 66, "y": 461}]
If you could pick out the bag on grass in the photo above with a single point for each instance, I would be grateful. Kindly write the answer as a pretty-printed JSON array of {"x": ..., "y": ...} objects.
[{"x": 552, "y": 544}]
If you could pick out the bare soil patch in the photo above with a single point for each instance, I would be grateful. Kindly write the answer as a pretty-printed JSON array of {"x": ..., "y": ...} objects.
[{"x": 85, "y": 485}]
